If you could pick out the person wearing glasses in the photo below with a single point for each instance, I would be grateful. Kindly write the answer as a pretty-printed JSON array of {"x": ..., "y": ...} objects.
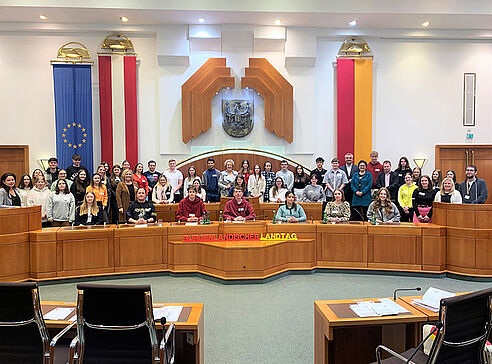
[{"x": 473, "y": 189}]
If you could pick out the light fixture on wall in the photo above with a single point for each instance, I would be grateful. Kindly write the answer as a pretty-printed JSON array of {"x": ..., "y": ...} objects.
[
  {"x": 117, "y": 43},
  {"x": 277, "y": 22},
  {"x": 44, "y": 164},
  {"x": 43, "y": 17},
  {"x": 426, "y": 23},
  {"x": 124, "y": 19},
  {"x": 201, "y": 20},
  {"x": 73, "y": 52},
  {"x": 354, "y": 47},
  {"x": 353, "y": 23},
  {"x": 420, "y": 162}
]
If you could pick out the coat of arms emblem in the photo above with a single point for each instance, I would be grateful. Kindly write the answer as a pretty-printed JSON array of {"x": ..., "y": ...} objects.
[{"x": 238, "y": 117}]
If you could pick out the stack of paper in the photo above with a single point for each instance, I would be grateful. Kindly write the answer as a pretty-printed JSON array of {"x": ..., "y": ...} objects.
[
  {"x": 171, "y": 313},
  {"x": 59, "y": 313},
  {"x": 385, "y": 307},
  {"x": 432, "y": 299}
]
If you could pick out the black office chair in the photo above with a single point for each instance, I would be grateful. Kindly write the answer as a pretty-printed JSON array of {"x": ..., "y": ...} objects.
[
  {"x": 115, "y": 324},
  {"x": 23, "y": 334},
  {"x": 462, "y": 331}
]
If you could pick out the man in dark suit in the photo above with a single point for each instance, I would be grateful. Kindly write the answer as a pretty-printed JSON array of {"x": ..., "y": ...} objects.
[
  {"x": 350, "y": 169},
  {"x": 389, "y": 180}
]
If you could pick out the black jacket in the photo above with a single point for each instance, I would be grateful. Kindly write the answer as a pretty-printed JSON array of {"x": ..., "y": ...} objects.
[
  {"x": 82, "y": 219},
  {"x": 393, "y": 186}
]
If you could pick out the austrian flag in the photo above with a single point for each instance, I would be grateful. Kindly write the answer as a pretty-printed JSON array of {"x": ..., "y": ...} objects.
[{"x": 118, "y": 108}]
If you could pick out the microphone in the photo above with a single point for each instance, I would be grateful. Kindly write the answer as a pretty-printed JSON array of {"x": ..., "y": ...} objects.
[
  {"x": 404, "y": 289},
  {"x": 258, "y": 216},
  {"x": 312, "y": 219},
  {"x": 358, "y": 212}
]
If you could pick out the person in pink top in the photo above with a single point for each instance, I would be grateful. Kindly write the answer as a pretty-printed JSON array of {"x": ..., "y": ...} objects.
[{"x": 238, "y": 209}]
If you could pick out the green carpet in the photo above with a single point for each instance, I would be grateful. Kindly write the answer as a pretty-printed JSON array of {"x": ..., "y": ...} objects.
[{"x": 268, "y": 322}]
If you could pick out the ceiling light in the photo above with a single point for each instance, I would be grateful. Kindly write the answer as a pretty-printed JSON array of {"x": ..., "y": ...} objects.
[
  {"x": 353, "y": 23},
  {"x": 124, "y": 19},
  {"x": 277, "y": 22},
  {"x": 201, "y": 20},
  {"x": 43, "y": 17},
  {"x": 426, "y": 23}
]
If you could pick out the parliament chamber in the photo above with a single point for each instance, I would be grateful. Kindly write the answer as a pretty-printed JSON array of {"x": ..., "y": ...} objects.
[{"x": 457, "y": 242}]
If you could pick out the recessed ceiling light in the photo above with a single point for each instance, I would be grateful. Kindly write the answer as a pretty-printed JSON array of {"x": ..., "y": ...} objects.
[
  {"x": 277, "y": 22},
  {"x": 43, "y": 17},
  {"x": 201, "y": 20},
  {"x": 353, "y": 23},
  {"x": 426, "y": 23},
  {"x": 124, "y": 19}
]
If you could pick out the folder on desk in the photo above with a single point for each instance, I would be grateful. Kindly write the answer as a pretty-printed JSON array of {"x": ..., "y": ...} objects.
[{"x": 431, "y": 300}]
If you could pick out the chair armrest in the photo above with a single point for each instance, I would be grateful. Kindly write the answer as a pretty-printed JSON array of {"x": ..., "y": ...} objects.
[
  {"x": 393, "y": 353},
  {"x": 73, "y": 350},
  {"x": 56, "y": 338},
  {"x": 168, "y": 341}
]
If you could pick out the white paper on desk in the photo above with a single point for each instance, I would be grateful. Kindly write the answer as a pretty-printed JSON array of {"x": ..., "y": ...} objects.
[
  {"x": 59, "y": 313},
  {"x": 371, "y": 309},
  {"x": 395, "y": 306},
  {"x": 432, "y": 299},
  {"x": 171, "y": 313},
  {"x": 141, "y": 225},
  {"x": 238, "y": 221},
  {"x": 191, "y": 223},
  {"x": 363, "y": 311}
]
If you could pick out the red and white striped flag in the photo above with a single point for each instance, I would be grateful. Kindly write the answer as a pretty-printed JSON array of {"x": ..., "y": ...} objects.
[{"x": 118, "y": 108}]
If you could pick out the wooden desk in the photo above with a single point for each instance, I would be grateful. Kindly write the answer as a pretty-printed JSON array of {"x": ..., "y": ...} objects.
[
  {"x": 167, "y": 212},
  {"x": 340, "y": 336},
  {"x": 189, "y": 328},
  {"x": 312, "y": 209}
]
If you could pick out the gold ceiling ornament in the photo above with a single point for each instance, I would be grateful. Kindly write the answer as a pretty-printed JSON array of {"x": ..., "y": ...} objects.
[
  {"x": 354, "y": 47},
  {"x": 118, "y": 43},
  {"x": 72, "y": 52}
]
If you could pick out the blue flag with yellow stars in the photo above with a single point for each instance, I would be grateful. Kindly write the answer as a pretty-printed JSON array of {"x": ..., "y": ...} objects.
[{"x": 73, "y": 114}]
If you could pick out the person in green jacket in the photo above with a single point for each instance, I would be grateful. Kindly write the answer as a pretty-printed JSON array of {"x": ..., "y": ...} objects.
[{"x": 290, "y": 211}]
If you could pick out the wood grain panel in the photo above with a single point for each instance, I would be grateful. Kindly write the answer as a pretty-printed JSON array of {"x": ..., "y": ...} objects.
[
  {"x": 305, "y": 230},
  {"x": 15, "y": 159},
  {"x": 433, "y": 247},
  {"x": 279, "y": 111},
  {"x": 14, "y": 253},
  {"x": 20, "y": 219},
  {"x": 461, "y": 252},
  {"x": 145, "y": 250},
  {"x": 197, "y": 93}
]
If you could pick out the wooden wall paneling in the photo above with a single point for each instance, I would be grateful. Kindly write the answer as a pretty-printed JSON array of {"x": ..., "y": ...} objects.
[
  {"x": 342, "y": 245},
  {"x": 14, "y": 220},
  {"x": 288, "y": 95},
  {"x": 43, "y": 253},
  {"x": 15, "y": 159},
  {"x": 141, "y": 248},
  {"x": 248, "y": 227},
  {"x": 276, "y": 124},
  {"x": 186, "y": 104},
  {"x": 14, "y": 250},
  {"x": 182, "y": 256},
  {"x": 85, "y": 251},
  {"x": 265, "y": 91},
  {"x": 460, "y": 218},
  {"x": 460, "y": 249},
  {"x": 395, "y": 247},
  {"x": 176, "y": 231},
  {"x": 207, "y": 95},
  {"x": 433, "y": 247}
]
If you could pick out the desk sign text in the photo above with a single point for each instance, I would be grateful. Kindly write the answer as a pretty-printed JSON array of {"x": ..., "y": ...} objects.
[{"x": 241, "y": 237}]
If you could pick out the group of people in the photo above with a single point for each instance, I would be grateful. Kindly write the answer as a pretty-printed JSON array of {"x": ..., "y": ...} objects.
[{"x": 119, "y": 194}]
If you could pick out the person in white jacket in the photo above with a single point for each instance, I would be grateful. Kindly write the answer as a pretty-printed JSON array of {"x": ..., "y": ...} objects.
[
  {"x": 38, "y": 195},
  {"x": 257, "y": 183},
  {"x": 447, "y": 193}
]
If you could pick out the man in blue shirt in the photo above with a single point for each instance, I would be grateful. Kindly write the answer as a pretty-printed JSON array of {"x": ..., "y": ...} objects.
[
  {"x": 152, "y": 175},
  {"x": 210, "y": 181}
]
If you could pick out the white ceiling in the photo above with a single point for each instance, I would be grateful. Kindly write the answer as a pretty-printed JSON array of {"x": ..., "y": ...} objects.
[{"x": 458, "y": 15}]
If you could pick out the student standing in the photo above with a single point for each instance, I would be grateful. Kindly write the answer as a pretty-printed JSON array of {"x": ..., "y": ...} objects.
[
  {"x": 245, "y": 170},
  {"x": 334, "y": 179},
  {"x": 126, "y": 192},
  {"x": 269, "y": 176},
  {"x": 114, "y": 180},
  {"x": 313, "y": 192},
  {"x": 402, "y": 170},
  {"x": 25, "y": 185},
  {"x": 175, "y": 179},
  {"x": 301, "y": 180},
  {"x": 140, "y": 178},
  {"x": 152, "y": 175},
  {"x": 422, "y": 199},
  {"x": 319, "y": 171},
  {"x": 350, "y": 169},
  {"x": 447, "y": 193},
  {"x": 162, "y": 192},
  {"x": 405, "y": 193},
  {"x": 210, "y": 181},
  {"x": 51, "y": 171},
  {"x": 79, "y": 187},
  {"x": 38, "y": 195},
  {"x": 473, "y": 189},
  {"x": 62, "y": 174},
  {"x": 60, "y": 206},
  {"x": 374, "y": 167},
  {"x": 188, "y": 181},
  {"x": 9, "y": 194},
  {"x": 75, "y": 168},
  {"x": 227, "y": 178},
  {"x": 286, "y": 175},
  {"x": 257, "y": 184},
  {"x": 361, "y": 188},
  {"x": 278, "y": 191}
]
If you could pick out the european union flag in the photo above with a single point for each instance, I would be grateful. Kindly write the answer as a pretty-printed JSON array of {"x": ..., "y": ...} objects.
[{"x": 73, "y": 113}]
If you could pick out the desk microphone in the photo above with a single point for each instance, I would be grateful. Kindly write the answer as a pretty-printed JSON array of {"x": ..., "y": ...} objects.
[
  {"x": 358, "y": 212},
  {"x": 404, "y": 289},
  {"x": 258, "y": 216},
  {"x": 312, "y": 220}
]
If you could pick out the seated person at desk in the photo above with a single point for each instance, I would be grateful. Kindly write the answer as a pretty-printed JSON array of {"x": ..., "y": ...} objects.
[
  {"x": 88, "y": 213},
  {"x": 290, "y": 211},
  {"x": 447, "y": 193},
  {"x": 239, "y": 182},
  {"x": 191, "y": 208},
  {"x": 141, "y": 211},
  {"x": 382, "y": 208},
  {"x": 337, "y": 210},
  {"x": 238, "y": 209}
]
